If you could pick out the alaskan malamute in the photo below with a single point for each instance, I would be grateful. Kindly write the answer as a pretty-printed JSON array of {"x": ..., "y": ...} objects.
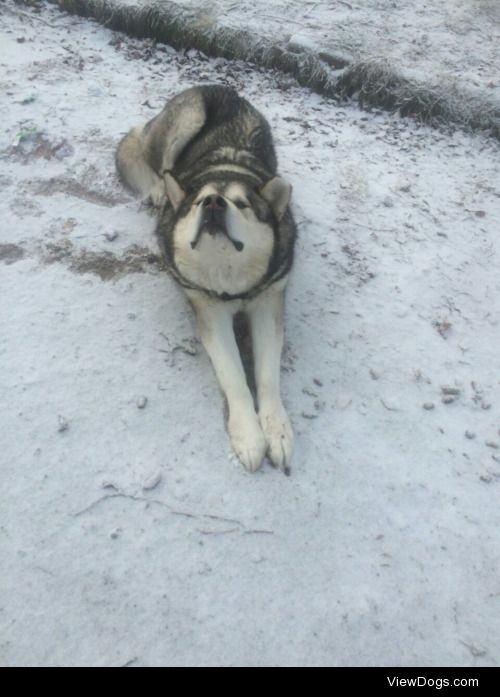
[{"x": 208, "y": 162}]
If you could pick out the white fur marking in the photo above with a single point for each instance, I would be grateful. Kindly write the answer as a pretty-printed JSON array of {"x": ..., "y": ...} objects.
[
  {"x": 266, "y": 314},
  {"x": 215, "y": 320},
  {"x": 214, "y": 264}
]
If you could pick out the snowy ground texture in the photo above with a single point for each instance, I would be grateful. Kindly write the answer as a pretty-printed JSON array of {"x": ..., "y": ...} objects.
[
  {"x": 452, "y": 44},
  {"x": 378, "y": 52},
  {"x": 129, "y": 534}
]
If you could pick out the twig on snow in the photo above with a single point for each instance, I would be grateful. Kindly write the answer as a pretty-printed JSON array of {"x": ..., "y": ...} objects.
[{"x": 144, "y": 499}]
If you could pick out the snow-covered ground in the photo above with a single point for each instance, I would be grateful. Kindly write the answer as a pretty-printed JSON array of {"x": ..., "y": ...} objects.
[
  {"x": 453, "y": 44},
  {"x": 129, "y": 535}
]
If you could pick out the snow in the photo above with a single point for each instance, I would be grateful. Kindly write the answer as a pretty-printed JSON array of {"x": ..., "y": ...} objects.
[
  {"x": 129, "y": 533},
  {"x": 455, "y": 44}
]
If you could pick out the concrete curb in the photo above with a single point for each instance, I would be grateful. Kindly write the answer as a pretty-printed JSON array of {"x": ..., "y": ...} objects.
[{"x": 332, "y": 74}]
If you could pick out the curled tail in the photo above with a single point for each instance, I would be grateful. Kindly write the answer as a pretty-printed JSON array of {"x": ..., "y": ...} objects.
[
  {"x": 135, "y": 171},
  {"x": 145, "y": 153}
]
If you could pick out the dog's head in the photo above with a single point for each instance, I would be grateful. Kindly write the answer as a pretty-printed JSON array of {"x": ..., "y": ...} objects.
[{"x": 224, "y": 233}]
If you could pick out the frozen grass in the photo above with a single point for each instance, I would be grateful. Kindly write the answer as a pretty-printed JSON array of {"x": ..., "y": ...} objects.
[{"x": 373, "y": 82}]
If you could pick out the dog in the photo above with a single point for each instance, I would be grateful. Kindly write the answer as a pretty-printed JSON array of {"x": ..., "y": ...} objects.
[{"x": 208, "y": 162}]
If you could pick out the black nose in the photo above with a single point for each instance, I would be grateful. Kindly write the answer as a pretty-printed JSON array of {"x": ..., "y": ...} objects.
[{"x": 214, "y": 201}]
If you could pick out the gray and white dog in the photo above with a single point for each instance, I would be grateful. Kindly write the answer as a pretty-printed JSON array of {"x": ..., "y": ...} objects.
[{"x": 208, "y": 162}]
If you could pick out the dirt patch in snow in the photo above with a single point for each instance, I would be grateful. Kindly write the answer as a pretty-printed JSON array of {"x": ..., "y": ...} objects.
[
  {"x": 10, "y": 253},
  {"x": 34, "y": 145},
  {"x": 73, "y": 187},
  {"x": 105, "y": 265}
]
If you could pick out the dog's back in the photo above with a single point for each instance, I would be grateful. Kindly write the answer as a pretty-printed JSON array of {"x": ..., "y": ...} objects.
[
  {"x": 234, "y": 132},
  {"x": 200, "y": 129}
]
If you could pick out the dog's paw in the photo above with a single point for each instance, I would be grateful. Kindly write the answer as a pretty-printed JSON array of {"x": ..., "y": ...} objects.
[
  {"x": 278, "y": 434},
  {"x": 248, "y": 441},
  {"x": 158, "y": 195}
]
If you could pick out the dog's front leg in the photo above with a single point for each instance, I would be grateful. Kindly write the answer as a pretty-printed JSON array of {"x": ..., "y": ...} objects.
[
  {"x": 216, "y": 330},
  {"x": 266, "y": 316}
]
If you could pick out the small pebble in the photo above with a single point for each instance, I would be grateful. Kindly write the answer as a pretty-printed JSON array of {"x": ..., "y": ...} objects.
[
  {"x": 63, "y": 424},
  {"x": 343, "y": 401},
  {"x": 448, "y": 399},
  {"x": 108, "y": 484},
  {"x": 428, "y": 405},
  {"x": 111, "y": 235},
  {"x": 454, "y": 391},
  {"x": 152, "y": 481},
  {"x": 141, "y": 402},
  {"x": 492, "y": 444},
  {"x": 470, "y": 435}
]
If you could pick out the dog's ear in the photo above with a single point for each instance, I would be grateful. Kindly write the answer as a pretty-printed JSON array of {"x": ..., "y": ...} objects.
[
  {"x": 175, "y": 194},
  {"x": 277, "y": 193}
]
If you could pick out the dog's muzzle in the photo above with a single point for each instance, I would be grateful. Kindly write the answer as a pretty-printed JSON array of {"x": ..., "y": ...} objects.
[{"x": 213, "y": 220}]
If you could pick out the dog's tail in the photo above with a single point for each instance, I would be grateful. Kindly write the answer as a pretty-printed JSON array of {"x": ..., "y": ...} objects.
[{"x": 134, "y": 170}]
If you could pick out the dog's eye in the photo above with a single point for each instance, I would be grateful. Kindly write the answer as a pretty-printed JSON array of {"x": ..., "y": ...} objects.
[{"x": 241, "y": 204}]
